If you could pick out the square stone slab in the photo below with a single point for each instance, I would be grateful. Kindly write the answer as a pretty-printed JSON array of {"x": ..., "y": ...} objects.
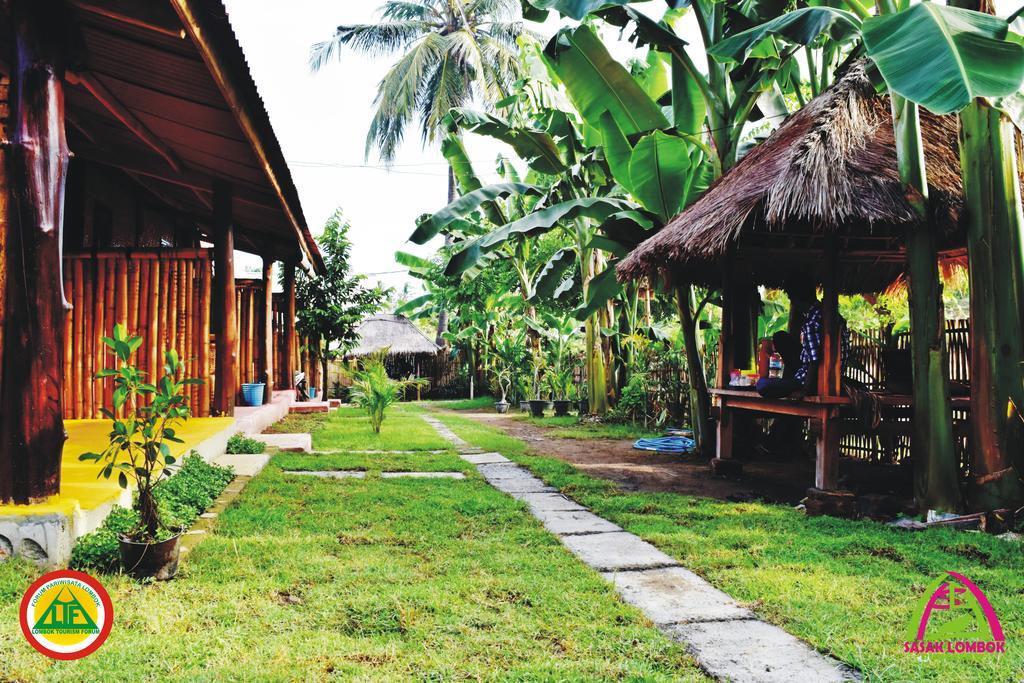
[
  {"x": 519, "y": 485},
  {"x": 333, "y": 474},
  {"x": 756, "y": 651},
  {"x": 484, "y": 458},
  {"x": 540, "y": 502},
  {"x": 425, "y": 475},
  {"x": 575, "y": 522},
  {"x": 617, "y": 551},
  {"x": 244, "y": 465},
  {"x": 504, "y": 470},
  {"x": 674, "y": 595}
]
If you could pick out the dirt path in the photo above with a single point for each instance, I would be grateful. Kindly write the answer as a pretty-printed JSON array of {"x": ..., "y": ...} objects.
[{"x": 618, "y": 461}]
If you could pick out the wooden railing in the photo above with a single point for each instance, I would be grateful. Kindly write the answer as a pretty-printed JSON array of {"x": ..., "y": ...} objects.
[{"x": 162, "y": 295}]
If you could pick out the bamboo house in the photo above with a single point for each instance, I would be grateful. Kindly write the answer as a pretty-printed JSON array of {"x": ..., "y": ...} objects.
[
  {"x": 820, "y": 197},
  {"x": 140, "y": 158}
]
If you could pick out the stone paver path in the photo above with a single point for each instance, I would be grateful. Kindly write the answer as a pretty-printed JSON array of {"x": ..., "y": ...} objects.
[{"x": 727, "y": 640}]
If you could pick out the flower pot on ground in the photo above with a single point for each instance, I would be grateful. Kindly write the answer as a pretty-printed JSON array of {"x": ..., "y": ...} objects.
[
  {"x": 252, "y": 393},
  {"x": 503, "y": 379},
  {"x": 562, "y": 408},
  {"x": 583, "y": 407},
  {"x": 157, "y": 560},
  {"x": 524, "y": 406},
  {"x": 501, "y": 407},
  {"x": 144, "y": 419},
  {"x": 537, "y": 407}
]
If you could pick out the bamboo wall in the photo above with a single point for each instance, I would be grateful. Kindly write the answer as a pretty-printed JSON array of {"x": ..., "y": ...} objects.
[
  {"x": 249, "y": 317},
  {"x": 162, "y": 295}
]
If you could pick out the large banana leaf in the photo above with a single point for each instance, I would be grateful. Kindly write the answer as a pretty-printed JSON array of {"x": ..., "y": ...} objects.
[
  {"x": 414, "y": 304},
  {"x": 552, "y": 274},
  {"x": 943, "y": 57},
  {"x": 801, "y": 26},
  {"x": 577, "y": 9},
  {"x": 465, "y": 175},
  {"x": 657, "y": 170},
  {"x": 596, "y": 83},
  {"x": 536, "y": 147},
  {"x": 536, "y": 223},
  {"x": 465, "y": 205},
  {"x": 600, "y": 289}
]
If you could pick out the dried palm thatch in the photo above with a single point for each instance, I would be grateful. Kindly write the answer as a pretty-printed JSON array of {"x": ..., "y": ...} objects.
[
  {"x": 830, "y": 169},
  {"x": 393, "y": 332}
]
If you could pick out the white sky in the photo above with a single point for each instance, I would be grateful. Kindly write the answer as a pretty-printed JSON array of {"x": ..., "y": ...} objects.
[{"x": 321, "y": 120}]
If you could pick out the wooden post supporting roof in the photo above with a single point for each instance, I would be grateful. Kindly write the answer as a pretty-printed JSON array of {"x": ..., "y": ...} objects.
[
  {"x": 826, "y": 470},
  {"x": 267, "y": 329},
  {"x": 31, "y": 422},
  {"x": 224, "y": 287},
  {"x": 291, "y": 343}
]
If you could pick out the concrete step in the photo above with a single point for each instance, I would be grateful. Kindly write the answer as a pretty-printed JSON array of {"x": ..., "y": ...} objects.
[{"x": 309, "y": 407}]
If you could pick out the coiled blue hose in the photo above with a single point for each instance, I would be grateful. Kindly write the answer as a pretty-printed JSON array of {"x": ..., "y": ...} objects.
[{"x": 666, "y": 444}]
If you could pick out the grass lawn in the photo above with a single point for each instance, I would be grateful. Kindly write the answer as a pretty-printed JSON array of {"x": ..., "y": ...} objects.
[
  {"x": 348, "y": 429},
  {"x": 305, "y": 579},
  {"x": 570, "y": 427},
  {"x": 847, "y": 587},
  {"x": 478, "y": 403}
]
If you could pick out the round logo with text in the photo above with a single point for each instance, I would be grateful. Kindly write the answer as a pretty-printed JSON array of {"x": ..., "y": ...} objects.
[{"x": 66, "y": 614}]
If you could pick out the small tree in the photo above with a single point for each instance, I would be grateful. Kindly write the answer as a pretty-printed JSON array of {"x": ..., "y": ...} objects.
[
  {"x": 331, "y": 306},
  {"x": 374, "y": 391},
  {"x": 138, "y": 446}
]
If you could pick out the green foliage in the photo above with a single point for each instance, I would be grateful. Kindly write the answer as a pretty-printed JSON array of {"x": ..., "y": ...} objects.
[
  {"x": 181, "y": 498},
  {"x": 943, "y": 57},
  {"x": 144, "y": 419},
  {"x": 329, "y": 307},
  {"x": 240, "y": 444},
  {"x": 375, "y": 392}
]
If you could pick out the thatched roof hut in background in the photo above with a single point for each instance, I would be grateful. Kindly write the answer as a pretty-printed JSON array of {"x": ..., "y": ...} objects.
[
  {"x": 394, "y": 332},
  {"x": 829, "y": 170}
]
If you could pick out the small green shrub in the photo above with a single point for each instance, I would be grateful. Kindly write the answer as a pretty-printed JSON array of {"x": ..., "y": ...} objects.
[
  {"x": 240, "y": 444},
  {"x": 180, "y": 500}
]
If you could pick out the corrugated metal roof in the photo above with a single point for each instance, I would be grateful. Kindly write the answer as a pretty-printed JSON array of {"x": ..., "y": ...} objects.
[{"x": 183, "y": 90}]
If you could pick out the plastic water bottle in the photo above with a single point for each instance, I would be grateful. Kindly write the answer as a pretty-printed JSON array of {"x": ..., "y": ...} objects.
[{"x": 775, "y": 366}]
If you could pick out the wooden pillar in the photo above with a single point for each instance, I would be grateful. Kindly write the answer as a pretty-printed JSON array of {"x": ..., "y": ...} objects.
[
  {"x": 267, "y": 329},
  {"x": 31, "y": 402},
  {"x": 830, "y": 372},
  {"x": 224, "y": 290},
  {"x": 290, "y": 342},
  {"x": 723, "y": 461}
]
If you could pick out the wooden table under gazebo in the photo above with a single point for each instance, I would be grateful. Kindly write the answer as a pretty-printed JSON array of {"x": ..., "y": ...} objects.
[{"x": 821, "y": 198}]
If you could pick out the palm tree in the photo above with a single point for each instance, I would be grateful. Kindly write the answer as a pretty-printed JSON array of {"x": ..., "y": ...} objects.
[{"x": 454, "y": 52}]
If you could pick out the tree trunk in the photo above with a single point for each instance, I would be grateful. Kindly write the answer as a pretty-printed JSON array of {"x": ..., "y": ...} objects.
[
  {"x": 442, "y": 314},
  {"x": 992, "y": 212},
  {"x": 597, "y": 377},
  {"x": 31, "y": 409},
  {"x": 936, "y": 472},
  {"x": 700, "y": 400}
]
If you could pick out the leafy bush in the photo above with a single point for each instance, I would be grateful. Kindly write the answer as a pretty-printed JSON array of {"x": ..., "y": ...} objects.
[
  {"x": 180, "y": 499},
  {"x": 240, "y": 444},
  {"x": 374, "y": 391}
]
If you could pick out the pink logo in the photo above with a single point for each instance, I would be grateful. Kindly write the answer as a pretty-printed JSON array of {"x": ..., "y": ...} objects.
[{"x": 954, "y": 617}]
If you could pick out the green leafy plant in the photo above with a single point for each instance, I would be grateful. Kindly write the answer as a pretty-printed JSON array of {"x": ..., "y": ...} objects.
[
  {"x": 181, "y": 498},
  {"x": 240, "y": 444},
  {"x": 144, "y": 418},
  {"x": 374, "y": 391}
]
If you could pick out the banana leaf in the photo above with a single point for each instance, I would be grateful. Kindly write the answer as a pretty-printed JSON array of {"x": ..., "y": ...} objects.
[
  {"x": 943, "y": 57},
  {"x": 657, "y": 170},
  {"x": 601, "y": 288},
  {"x": 536, "y": 147},
  {"x": 596, "y": 83},
  {"x": 552, "y": 274},
  {"x": 801, "y": 26},
  {"x": 465, "y": 205}
]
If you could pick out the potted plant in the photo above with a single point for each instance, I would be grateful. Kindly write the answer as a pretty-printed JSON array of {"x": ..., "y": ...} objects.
[
  {"x": 503, "y": 380},
  {"x": 537, "y": 370},
  {"x": 144, "y": 418},
  {"x": 581, "y": 398},
  {"x": 561, "y": 386}
]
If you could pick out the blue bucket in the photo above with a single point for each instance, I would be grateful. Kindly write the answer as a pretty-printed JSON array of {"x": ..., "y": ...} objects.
[{"x": 252, "y": 394}]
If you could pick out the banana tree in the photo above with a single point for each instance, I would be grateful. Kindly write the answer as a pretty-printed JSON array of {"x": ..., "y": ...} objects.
[{"x": 954, "y": 59}]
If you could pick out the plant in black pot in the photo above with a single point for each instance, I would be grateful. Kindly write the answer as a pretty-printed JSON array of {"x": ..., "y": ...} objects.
[
  {"x": 538, "y": 372},
  {"x": 503, "y": 382},
  {"x": 561, "y": 388},
  {"x": 144, "y": 418}
]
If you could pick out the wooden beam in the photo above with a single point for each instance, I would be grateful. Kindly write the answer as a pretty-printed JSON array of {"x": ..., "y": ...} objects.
[
  {"x": 31, "y": 394},
  {"x": 267, "y": 328},
  {"x": 113, "y": 105},
  {"x": 291, "y": 343},
  {"x": 149, "y": 22},
  {"x": 226, "y": 370}
]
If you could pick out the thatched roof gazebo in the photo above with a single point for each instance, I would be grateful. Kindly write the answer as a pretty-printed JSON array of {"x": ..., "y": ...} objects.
[
  {"x": 820, "y": 198},
  {"x": 393, "y": 332},
  {"x": 828, "y": 172}
]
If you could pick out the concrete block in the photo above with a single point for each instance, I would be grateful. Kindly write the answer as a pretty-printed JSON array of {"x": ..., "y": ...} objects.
[
  {"x": 675, "y": 595},
  {"x": 424, "y": 475},
  {"x": 484, "y": 458},
  {"x": 563, "y": 522},
  {"x": 292, "y": 443},
  {"x": 244, "y": 465},
  {"x": 617, "y": 551},
  {"x": 333, "y": 474}
]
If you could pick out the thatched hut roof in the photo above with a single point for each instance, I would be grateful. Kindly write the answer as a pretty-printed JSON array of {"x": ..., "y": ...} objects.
[
  {"x": 395, "y": 332},
  {"x": 830, "y": 169}
]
